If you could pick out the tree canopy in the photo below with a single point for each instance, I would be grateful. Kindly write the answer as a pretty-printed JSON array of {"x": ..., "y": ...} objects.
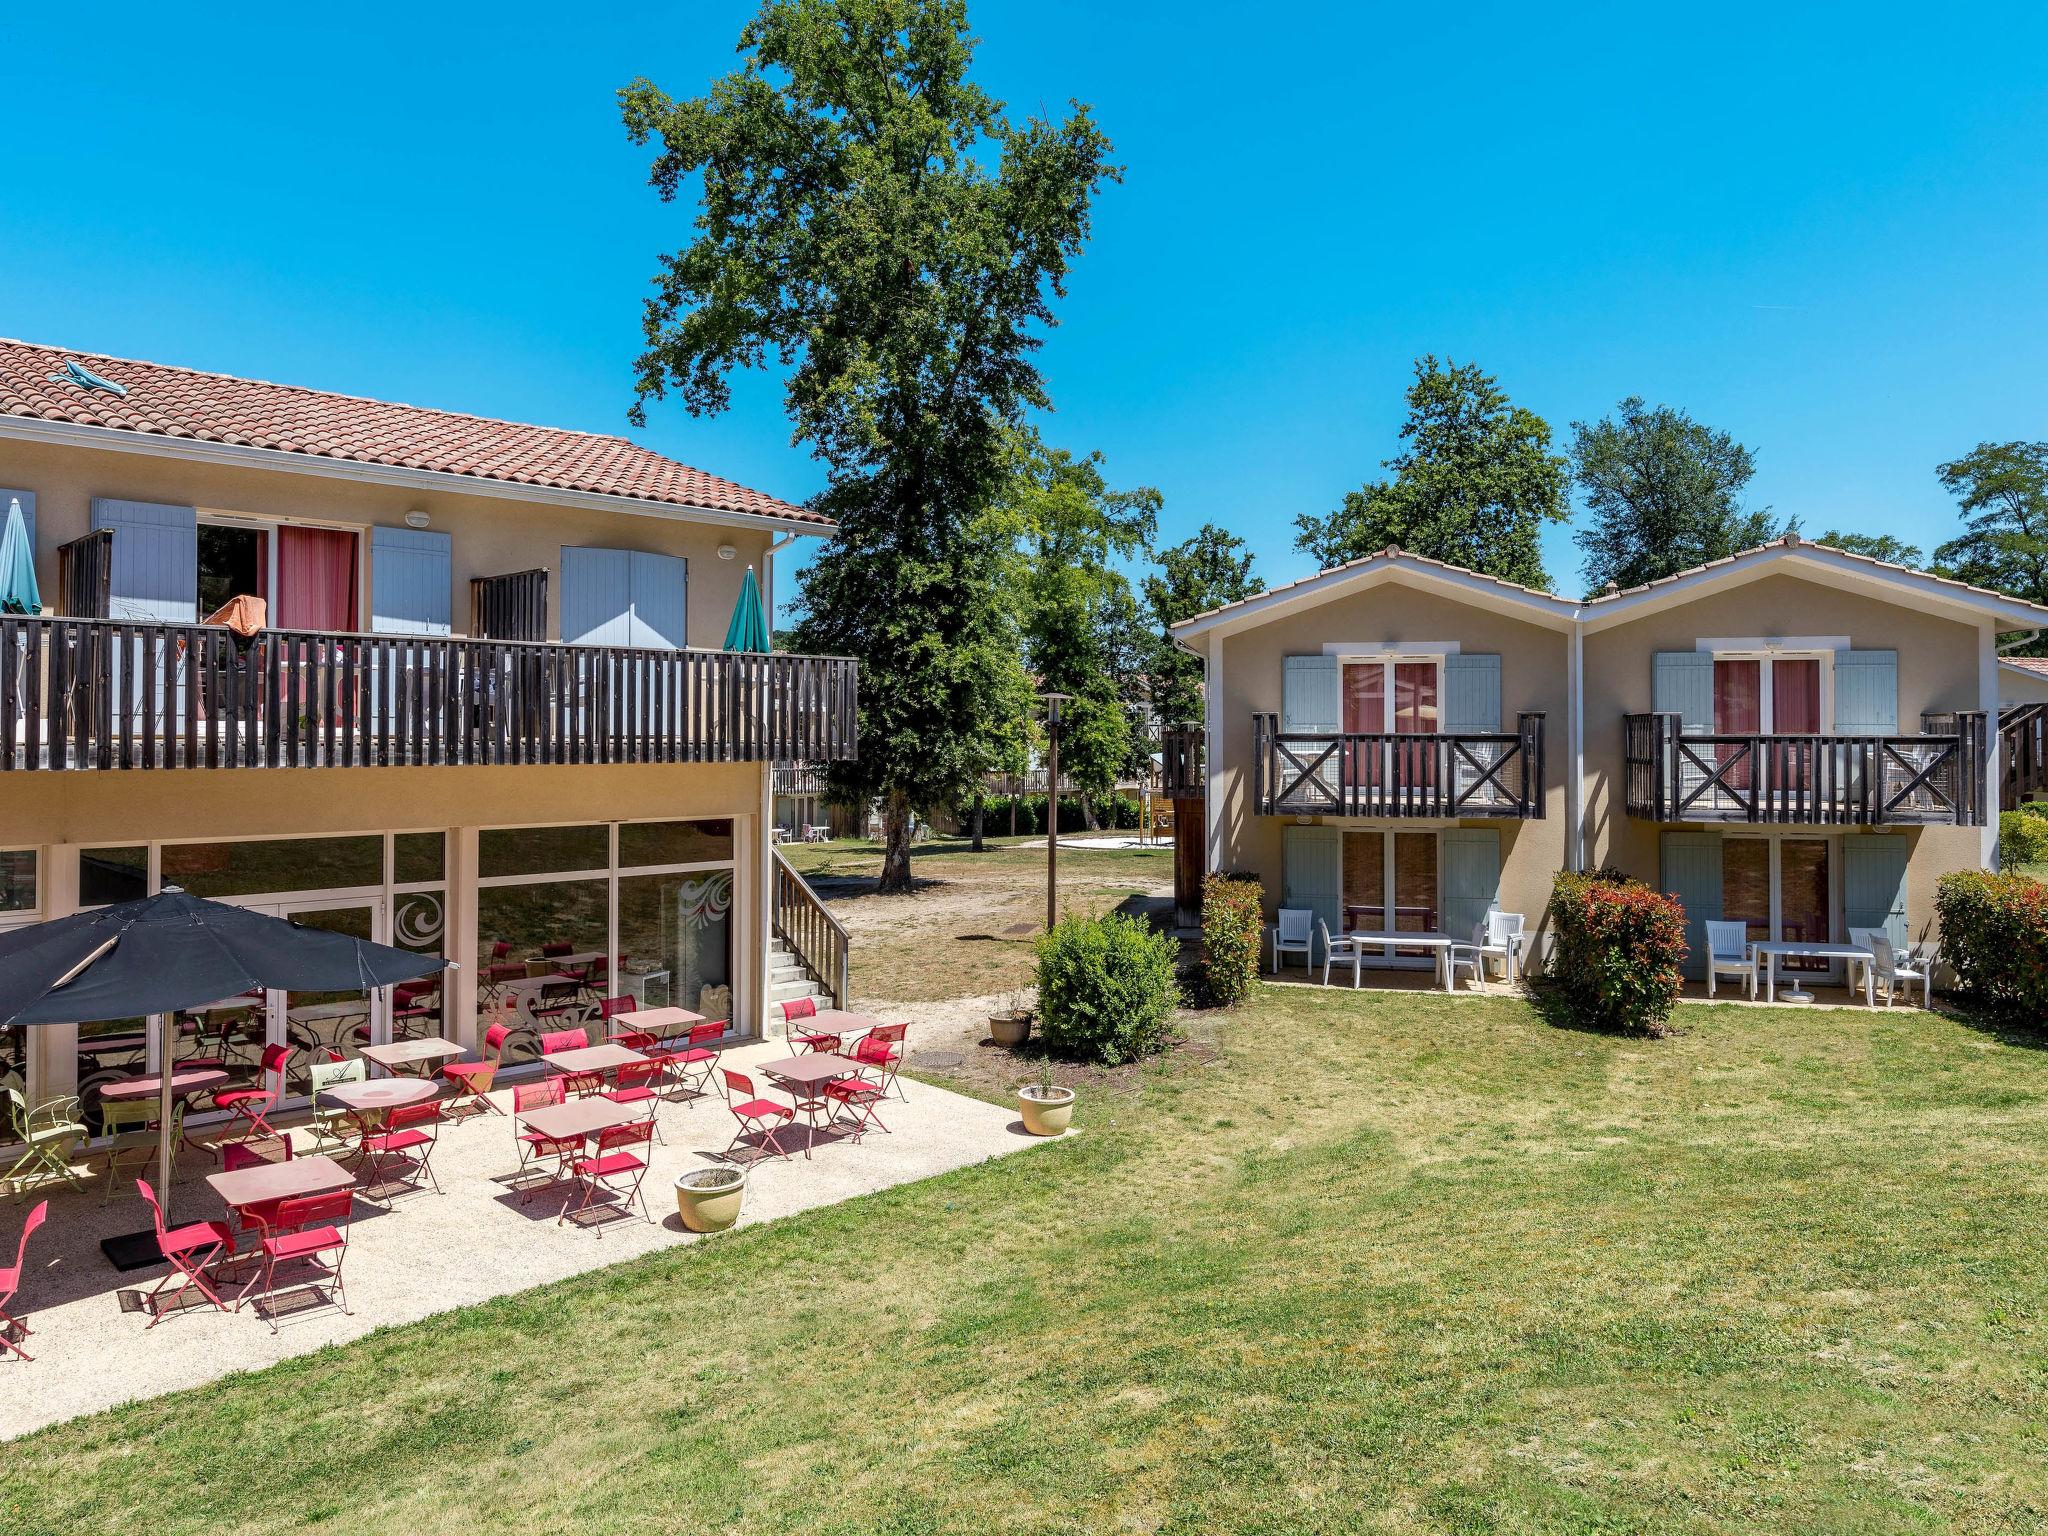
[
  {"x": 1207, "y": 571},
  {"x": 2002, "y": 491},
  {"x": 1664, "y": 494},
  {"x": 1879, "y": 546},
  {"x": 1474, "y": 483},
  {"x": 873, "y": 224}
]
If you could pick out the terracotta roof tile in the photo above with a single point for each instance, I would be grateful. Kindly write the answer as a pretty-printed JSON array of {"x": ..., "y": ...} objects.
[{"x": 167, "y": 401}]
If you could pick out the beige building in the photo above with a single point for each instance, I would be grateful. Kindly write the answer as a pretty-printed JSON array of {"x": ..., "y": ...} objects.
[
  {"x": 1797, "y": 737},
  {"x": 485, "y": 714}
]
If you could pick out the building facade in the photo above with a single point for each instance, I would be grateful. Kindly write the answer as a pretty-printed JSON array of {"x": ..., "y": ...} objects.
[{"x": 483, "y": 713}]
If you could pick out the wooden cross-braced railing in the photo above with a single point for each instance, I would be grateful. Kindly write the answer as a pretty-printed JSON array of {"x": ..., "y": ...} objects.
[
  {"x": 2022, "y": 754},
  {"x": 1399, "y": 773},
  {"x": 108, "y": 694},
  {"x": 1181, "y": 775},
  {"x": 1935, "y": 778}
]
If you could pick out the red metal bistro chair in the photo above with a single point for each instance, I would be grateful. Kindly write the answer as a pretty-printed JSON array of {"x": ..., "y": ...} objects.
[
  {"x": 532, "y": 1145},
  {"x": 615, "y": 1167},
  {"x": 190, "y": 1250},
  {"x": 263, "y": 1214},
  {"x": 880, "y": 1054},
  {"x": 637, "y": 1082},
  {"x": 472, "y": 1080},
  {"x": 690, "y": 1068},
  {"x": 406, "y": 1145},
  {"x": 754, "y": 1113},
  {"x": 862, "y": 1095},
  {"x": 800, "y": 1041},
  {"x": 246, "y": 1106},
  {"x": 609, "y": 1008},
  {"x": 10, "y": 1282},
  {"x": 308, "y": 1228}
]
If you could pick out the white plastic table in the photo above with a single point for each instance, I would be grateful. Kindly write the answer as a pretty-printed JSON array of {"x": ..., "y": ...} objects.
[
  {"x": 1353, "y": 945},
  {"x": 1772, "y": 952}
]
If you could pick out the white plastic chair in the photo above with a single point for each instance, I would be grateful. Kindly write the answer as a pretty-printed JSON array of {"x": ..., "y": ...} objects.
[
  {"x": 1502, "y": 941},
  {"x": 1853, "y": 968},
  {"x": 1894, "y": 976},
  {"x": 1343, "y": 947},
  {"x": 1469, "y": 957},
  {"x": 1729, "y": 954},
  {"x": 1295, "y": 934}
]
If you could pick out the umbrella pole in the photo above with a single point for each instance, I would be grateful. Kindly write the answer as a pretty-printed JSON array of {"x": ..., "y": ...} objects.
[{"x": 165, "y": 1065}]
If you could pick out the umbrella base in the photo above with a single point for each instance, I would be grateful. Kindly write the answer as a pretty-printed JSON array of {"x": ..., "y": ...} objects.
[{"x": 133, "y": 1250}]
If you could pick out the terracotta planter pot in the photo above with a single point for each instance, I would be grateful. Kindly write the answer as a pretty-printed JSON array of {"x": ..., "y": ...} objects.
[
  {"x": 1010, "y": 1029},
  {"x": 1046, "y": 1117},
  {"x": 710, "y": 1207}
]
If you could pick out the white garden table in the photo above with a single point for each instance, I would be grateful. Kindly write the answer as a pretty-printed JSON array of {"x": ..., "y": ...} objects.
[
  {"x": 1358, "y": 941},
  {"x": 1772, "y": 952}
]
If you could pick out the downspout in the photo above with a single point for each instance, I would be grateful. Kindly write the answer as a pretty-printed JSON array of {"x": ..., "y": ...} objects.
[
  {"x": 1575, "y": 806},
  {"x": 766, "y": 882}
]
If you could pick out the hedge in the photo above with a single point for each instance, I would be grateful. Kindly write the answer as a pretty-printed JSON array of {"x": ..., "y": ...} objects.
[
  {"x": 1106, "y": 988},
  {"x": 2023, "y": 836},
  {"x": 1233, "y": 920},
  {"x": 1994, "y": 936},
  {"x": 1619, "y": 951},
  {"x": 1114, "y": 811}
]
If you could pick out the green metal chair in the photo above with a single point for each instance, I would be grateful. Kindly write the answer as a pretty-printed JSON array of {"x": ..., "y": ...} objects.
[
  {"x": 332, "y": 1125},
  {"x": 130, "y": 1127},
  {"x": 48, "y": 1134}
]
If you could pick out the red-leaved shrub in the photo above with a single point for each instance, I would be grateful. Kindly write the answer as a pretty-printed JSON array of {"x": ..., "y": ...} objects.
[
  {"x": 1618, "y": 952},
  {"x": 1232, "y": 920}
]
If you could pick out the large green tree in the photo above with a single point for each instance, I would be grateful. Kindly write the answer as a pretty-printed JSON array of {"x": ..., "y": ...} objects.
[
  {"x": 1879, "y": 546},
  {"x": 872, "y": 223},
  {"x": 1663, "y": 494},
  {"x": 1207, "y": 571},
  {"x": 2002, "y": 489},
  {"x": 1474, "y": 483}
]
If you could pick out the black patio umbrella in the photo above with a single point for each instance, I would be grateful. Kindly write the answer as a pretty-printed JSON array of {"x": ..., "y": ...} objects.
[{"x": 171, "y": 951}]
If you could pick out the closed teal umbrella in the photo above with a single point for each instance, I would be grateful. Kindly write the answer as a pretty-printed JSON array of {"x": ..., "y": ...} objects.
[
  {"x": 18, "y": 590},
  {"x": 749, "y": 628}
]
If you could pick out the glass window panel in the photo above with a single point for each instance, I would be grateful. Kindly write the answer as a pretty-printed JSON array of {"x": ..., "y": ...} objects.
[
  {"x": 1365, "y": 888},
  {"x": 542, "y": 850},
  {"x": 108, "y": 1051},
  {"x": 14, "y": 1061},
  {"x": 1415, "y": 885},
  {"x": 320, "y": 1025},
  {"x": 1746, "y": 885},
  {"x": 108, "y": 875},
  {"x": 417, "y": 857},
  {"x": 675, "y": 941},
  {"x": 18, "y": 880},
  {"x": 1795, "y": 697},
  {"x": 673, "y": 842},
  {"x": 419, "y": 921},
  {"x": 1803, "y": 898},
  {"x": 526, "y": 936},
  {"x": 274, "y": 864}
]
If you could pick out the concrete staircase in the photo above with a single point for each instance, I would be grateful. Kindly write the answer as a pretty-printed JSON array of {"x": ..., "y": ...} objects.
[{"x": 788, "y": 978}]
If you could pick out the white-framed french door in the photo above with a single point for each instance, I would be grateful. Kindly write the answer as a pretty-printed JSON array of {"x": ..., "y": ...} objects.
[
  {"x": 1784, "y": 889},
  {"x": 1391, "y": 885}
]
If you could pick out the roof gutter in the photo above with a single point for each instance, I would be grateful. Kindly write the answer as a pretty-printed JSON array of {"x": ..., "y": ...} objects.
[{"x": 71, "y": 434}]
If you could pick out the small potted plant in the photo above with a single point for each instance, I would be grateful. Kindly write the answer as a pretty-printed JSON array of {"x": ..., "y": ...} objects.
[
  {"x": 708, "y": 1199},
  {"x": 1010, "y": 1025},
  {"x": 1047, "y": 1109}
]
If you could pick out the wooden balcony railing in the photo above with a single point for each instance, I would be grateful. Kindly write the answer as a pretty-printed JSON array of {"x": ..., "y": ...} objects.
[
  {"x": 2023, "y": 754},
  {"x": 1935, "y": 778},
  {"x": 1398, "y": 773},
  {"x": 1181, "y": 775},
  {"x": 104, "y": 693}
]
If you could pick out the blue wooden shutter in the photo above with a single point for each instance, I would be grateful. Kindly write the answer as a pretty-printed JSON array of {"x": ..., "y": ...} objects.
[
  {"x": 155, "y": 560},
  {"x": 1874, "y": 884},
  {"x": 1310, "y": 703},
  {"x": 660, "y": 587},
  {"x": 1867, "y": 694},
  {"x": 28, "y": 513},
  {"x": 597, "y": 597},
  {"x": 1468, "y": 859},
  {"x": 1312, "y": 873},
  {"x": 412, "y": 582},
  {"x": 1682, "y": 683},
  {"x": 1472, "y": 695},
  {"x": 1692, "y": 873}
]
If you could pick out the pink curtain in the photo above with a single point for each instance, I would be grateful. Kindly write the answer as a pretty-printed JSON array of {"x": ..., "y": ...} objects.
[
  {"x": 316, "y": 579},
  {"x": 1365, "y": 712}
]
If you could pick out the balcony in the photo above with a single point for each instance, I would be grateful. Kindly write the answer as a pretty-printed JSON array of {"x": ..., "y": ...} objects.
[
  {"x": 1933, "y": 779},
  {"x": 1181, "y": 774},
  {"x": 1398, "y": 773},
  {"x": 105, "y": 693}
]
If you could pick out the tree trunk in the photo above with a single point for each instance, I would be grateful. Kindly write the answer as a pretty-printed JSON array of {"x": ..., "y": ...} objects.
[
  {"x": 980, "y": 811},
  {"x": 1088, "y": 812},
  {"x": 1013, "y": 813},
  {"x": 895, "y": 843}
]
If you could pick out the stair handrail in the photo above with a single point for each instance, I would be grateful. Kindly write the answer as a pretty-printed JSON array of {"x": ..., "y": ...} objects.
[{"x": 803, "y": 921}]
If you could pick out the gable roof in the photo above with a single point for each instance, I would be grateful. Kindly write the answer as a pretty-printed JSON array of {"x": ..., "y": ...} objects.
[
  {"x": 182, "y": 405},
  {"x": 2036, "y": 666},
  {"x": 1617, "y": 607},
  {"x": 1473, "y": 586}
]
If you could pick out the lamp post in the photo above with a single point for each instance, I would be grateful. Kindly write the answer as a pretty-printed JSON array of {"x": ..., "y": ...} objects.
[{"x": 1053, "y": 701}]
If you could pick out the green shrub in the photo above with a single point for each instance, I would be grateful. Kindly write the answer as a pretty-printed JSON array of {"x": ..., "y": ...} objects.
[
  {"x": 1994, "y": 936},
  {"x": 1618, "y": 953},
  {"x": 1106, "y": 988},
  {"x": 2023, "y": 836},
  {"x": 1233, "y": 917}
]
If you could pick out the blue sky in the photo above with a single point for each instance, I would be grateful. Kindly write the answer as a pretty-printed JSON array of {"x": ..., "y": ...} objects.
[{"x": 1826, "y": 232}]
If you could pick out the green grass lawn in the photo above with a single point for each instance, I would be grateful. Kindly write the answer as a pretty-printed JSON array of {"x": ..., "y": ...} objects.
[{"x": 1393, "y": 1263}]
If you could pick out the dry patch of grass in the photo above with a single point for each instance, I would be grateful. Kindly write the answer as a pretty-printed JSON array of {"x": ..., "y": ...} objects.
[
  {"x": 955, "y": 934},
  {"x": 1391, "y": 1263}
]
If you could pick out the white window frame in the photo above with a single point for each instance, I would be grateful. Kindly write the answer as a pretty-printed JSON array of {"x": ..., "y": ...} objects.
[
  {"x": 1767, "y": 682},
  {"x": 1775, "y": 838},
  {"x": 262, "y": 522},
  {"x": 1386, "y": 957},
  {"x": 1387, "y": 661}
]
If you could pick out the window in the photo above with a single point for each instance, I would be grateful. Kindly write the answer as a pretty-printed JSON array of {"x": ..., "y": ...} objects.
[
  {"x": 234, "y": 561},
  {"x": 251, "y": 868},
  {"x": 108, "y": 875},
  {"x": 1391, "y": 873},
  {"x": 18, "y": 880},
  {"x": 308, "y": 576},
  {"x": 418, "y": 857},
  {"x": 1782, "y": 890},
  {"x": 673, "y": 842},
  {"x": 542, "y": 850}
]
